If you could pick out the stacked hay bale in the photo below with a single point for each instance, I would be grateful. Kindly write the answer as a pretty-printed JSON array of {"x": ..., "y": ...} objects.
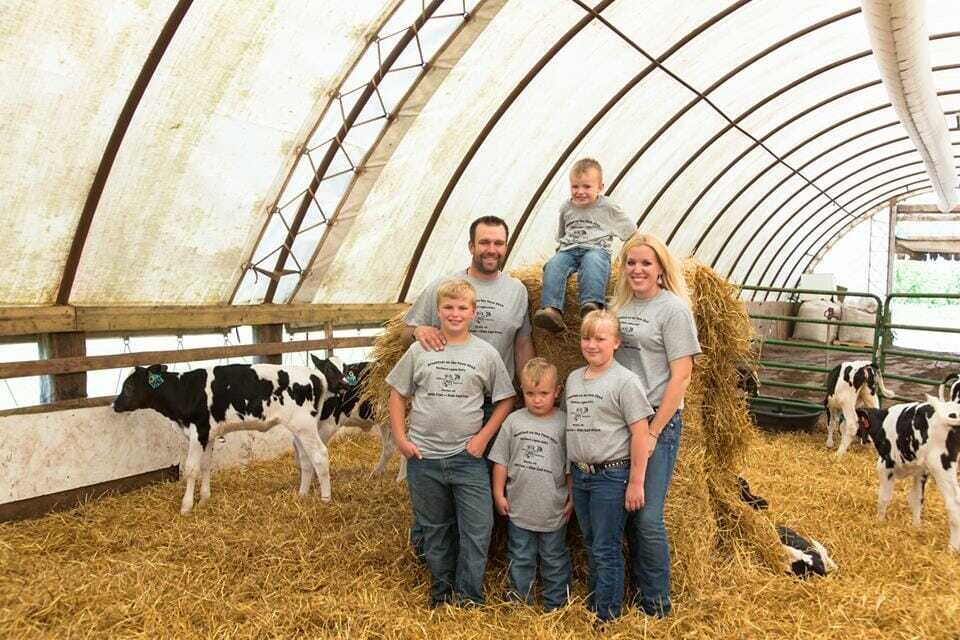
[{"x": 708, "y": 522}]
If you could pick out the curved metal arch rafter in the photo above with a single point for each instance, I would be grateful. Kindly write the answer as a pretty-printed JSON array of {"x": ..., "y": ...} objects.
[
  {"x": 137, "y": 91},
  {"x": 478, "y": 141},
  {"x": 610, "y": 104},
  {"x": 886, "y": 194},
  {"x": 909, "y": 189}
]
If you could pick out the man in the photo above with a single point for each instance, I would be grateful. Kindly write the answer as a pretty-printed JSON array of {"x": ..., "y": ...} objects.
[{"x": 502, "y": 312}]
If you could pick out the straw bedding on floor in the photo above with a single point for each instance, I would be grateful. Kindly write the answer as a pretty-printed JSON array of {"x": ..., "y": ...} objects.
[{"x": 260, "y": 562}]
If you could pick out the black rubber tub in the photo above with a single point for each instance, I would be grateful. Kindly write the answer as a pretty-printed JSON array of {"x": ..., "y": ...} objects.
[{"x": 771, "y": 415}]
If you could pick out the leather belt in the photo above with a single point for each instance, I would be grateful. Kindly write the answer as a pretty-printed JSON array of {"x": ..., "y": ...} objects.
[{"x": 597, "y": 467}]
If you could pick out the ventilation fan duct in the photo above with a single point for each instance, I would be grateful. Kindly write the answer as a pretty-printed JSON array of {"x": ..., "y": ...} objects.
[{"x": 901, "y": 47}]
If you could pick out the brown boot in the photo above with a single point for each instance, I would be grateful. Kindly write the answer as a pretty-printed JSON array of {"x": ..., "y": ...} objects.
[
  {"x": 550, "y": 319},
  {"x": 588, "y": 307}
]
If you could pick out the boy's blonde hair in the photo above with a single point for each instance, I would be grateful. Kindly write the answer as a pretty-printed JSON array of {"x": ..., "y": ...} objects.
[
  {"x": 671, "y": 279},
  {"x": 458, "y": 289},
  {"x": 588, "y": 328},
  {"x": 538, "y": 369},
  {"x": 585, "y": 165}
]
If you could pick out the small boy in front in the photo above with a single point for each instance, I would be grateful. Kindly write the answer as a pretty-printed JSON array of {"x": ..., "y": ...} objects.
[
  {"x": 588, "y": 223},
  {"x": 447, "y": 475},
  {"x": 531, "y": 486}
]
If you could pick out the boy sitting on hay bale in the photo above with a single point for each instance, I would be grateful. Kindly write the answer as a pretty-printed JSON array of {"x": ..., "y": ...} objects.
[
  {"x": 447, "y": 476},
  {"x": 588, "y": 223}
]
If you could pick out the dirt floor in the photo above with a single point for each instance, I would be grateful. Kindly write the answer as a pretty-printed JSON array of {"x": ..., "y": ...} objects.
[{"x": 257, "y": 562}]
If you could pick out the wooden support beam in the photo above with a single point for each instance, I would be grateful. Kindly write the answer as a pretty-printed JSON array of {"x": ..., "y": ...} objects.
[
  {"x": 63, "y": 405},
  {"x": 265, "y": 334},
  {"x": 63, "y": 500},
  {"x": 66, "y": 386},
  {"x": 924, "y": 208},
  {"x": 117, "y": 320},
  {"x": 141, "y": 358}
]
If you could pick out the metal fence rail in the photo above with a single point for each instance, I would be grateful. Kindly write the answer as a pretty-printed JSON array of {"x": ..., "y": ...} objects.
[{"x": 882, "y": 344}]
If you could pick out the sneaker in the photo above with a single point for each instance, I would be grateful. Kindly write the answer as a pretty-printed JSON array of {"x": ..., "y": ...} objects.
[
  {"x": 588, "y": 307},
  {"x": 550, "y": 319}
]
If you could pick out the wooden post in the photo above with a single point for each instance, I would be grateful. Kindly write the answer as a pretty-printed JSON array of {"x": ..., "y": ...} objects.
[
  {"x": 268, "y": 333},
  {"x": 65, "y": 386},
  {"x": 328, "y": 333}
]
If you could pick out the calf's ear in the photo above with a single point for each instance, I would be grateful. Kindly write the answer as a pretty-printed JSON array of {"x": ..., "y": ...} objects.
[{"x": 316, "y": 361}]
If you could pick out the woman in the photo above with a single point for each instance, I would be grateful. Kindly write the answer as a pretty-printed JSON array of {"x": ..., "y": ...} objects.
[{"x": 659, "y": 342}]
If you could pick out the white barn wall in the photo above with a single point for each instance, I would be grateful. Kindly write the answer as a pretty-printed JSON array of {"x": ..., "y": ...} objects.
[{"x": 46, "y": 453}]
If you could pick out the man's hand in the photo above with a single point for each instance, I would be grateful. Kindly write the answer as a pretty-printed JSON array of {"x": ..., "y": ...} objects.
[
  {"x": 477, "y": 445},
  {"x": 502, "y": 504},
  {"x": 409, "y": 450},
  {"x": 634, "y": 497},
  {"x": 430, "y": 338}
]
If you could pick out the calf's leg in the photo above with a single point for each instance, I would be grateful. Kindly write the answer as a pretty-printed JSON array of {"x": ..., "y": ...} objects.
[
  {"x": 886, "y": 489},
  {"x": 205, "y": 464},
  {"x": 848, "y": 430},
  {"x": 191, "y": 470},
  {"x": 915, "y": 497},
  {"x": 946, "y": 482},
  {"x": 305, "y": 464},
  {"x": 387, "y": 448},
  {"x": 306, "y": 430},
  {"x": 831, "y": 422}
]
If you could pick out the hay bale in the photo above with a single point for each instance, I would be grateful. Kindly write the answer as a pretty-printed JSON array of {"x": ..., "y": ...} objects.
[{"x": 705, "y": 516}]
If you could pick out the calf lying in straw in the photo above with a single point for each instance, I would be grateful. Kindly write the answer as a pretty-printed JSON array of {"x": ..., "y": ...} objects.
[
  {"x": 850, "y": 385},
  {"x": 917, "y": 440},
  {"x": 804, "y": 557},
  {"x": 209, "y": 403}
]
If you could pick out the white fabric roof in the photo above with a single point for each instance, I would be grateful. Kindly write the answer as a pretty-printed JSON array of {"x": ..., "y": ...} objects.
[{"x": 207, "y": 178}]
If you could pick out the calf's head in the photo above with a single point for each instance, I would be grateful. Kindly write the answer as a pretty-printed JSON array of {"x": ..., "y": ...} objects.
[
  {"x": 869, "y": 420},
  {"x": 140, "y": 388},
  {"x": 947, "y": 412},
  {"x": 332, "y": 370}
]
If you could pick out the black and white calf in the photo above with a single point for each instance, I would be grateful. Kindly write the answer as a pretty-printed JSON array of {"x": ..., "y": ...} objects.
[
  {"x": 208, "y": 403},
  {"x": 918, "y": 440},
  {"x": 804, "y": 557},
  {"x": 349, "y": 411},
  {"x": 950, "y": 388},
  {"x": 850, "y": 385}
]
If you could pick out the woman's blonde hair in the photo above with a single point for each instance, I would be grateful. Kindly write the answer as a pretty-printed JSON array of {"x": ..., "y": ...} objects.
[
  {"x": 588, "y": 328},
  {"x": 671, "y": 279}
]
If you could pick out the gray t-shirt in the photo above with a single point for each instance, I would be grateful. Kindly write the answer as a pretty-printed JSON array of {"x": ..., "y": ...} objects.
[
  {"x": 594, "y": 225},
  {"x": 534, "y": 451},
  {"x": 654, "y": 333},
  {"x": 448, "y": 388},
  {"x": 600, "y": 412},
  {"x": 502, "y": 311}
]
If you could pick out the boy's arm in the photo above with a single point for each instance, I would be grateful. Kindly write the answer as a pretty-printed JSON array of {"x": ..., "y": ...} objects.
[
  {"x": 478, "y": 443},
  {"x": 568, "y": 505},
  {"x": 638, "y": 465},
  {"x": 499, "y": 486},
  {"x": 398, "y": 409}
]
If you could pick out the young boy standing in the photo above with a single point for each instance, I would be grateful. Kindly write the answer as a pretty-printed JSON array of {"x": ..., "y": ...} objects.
[
  {"x": 447, "y": 475},
  {"x": 588, "y": 222},
  {"x": 531, "y": 464}
]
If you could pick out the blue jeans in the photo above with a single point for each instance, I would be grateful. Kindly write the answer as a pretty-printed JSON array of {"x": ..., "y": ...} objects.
[
  {"x": 646, "y": 535},
  {"x": 523, "y": 549},
  {"x": 454, "y": 506},
  {"x": 593, "y": 272},
  {"x": 598, "y": 500},
  {"x": 416, "y": 529}
]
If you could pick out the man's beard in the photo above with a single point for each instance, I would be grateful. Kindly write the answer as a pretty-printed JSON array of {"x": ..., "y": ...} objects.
[{"x": 478, "y": 265}]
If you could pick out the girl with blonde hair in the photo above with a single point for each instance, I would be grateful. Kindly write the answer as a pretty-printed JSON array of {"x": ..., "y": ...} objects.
[{"x": 658, "y": 343}]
